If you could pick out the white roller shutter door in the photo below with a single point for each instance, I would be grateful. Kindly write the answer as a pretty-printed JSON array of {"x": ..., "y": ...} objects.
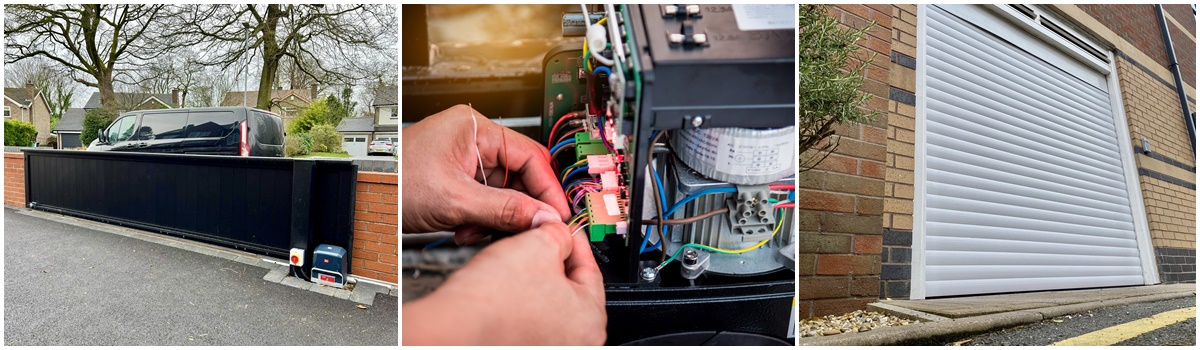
[{"x": 1024, "y": 183}]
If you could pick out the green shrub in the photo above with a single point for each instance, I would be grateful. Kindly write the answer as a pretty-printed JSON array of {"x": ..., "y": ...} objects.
[
  {"x": 95, "y": 119},
  {"x": 291, "y": 146},
  {"x": 18, "y": 133},
  {"x": 831, "y": 68},
  {"x": 306, "y": 142},
  {"x": 315, "y": 114},
  {"x": 326, "y": 139}
]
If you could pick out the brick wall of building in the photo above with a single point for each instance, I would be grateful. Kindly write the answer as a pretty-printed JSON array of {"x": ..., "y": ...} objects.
[
  {"x": 1138, "y": 24},
  {"x": 376, "y": 218},
  {"x": 896, "y": 256},
  {"x": 841, "y": 200}
]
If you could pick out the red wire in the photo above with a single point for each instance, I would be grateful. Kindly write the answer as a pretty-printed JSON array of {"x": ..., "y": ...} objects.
[
  {"x": 785, "y": 205},
  {"x": 504, "y": 138},
  {"x": 559, "y": 123},
  {"x": 783, "y": 187}
]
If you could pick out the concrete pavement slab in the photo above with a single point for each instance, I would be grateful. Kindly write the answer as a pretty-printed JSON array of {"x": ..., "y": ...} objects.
[
  {"x": 991, "y": 304},
  {"x": 1058, "y": 303}
]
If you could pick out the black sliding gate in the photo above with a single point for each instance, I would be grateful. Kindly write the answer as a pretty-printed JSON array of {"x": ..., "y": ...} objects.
[{"x": 261, "y": 205}]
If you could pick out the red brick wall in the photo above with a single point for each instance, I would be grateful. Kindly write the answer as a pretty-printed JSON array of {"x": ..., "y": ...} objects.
[
  {"x": 14, "y": 179},
  {"x": 376, "y": 226},
  {"x": 1138, "y": 24},
  {"x": 376, "y": 218},
  {"x": 840, "y": 202}
]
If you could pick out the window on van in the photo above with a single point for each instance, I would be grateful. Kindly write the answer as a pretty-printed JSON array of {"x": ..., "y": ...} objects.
[
  {"x": 212, "y": 123},
  {"x": 267, "y": 128},
  {"x": 121, "y": 129},
  {"x": 162, "y": 126}
]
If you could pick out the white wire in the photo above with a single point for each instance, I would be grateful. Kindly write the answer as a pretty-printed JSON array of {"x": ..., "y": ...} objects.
[
  {"x": 595, "y": 52},
  {"x": 577, "y": 230},
  {"x": 475, "y": 140}
]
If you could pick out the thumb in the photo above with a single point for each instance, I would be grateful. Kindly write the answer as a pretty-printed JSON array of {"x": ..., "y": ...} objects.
[{"x": 505, "y": 209}]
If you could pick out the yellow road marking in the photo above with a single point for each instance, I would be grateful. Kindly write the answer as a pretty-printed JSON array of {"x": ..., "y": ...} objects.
[{"x": 1126, "y": 331}]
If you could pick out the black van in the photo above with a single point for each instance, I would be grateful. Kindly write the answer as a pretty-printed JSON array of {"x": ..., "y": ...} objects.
[{"x": 236, "y": 131}]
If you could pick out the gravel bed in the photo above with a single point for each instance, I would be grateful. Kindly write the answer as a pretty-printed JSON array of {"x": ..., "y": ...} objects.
[{"x": 854, "y": 322}]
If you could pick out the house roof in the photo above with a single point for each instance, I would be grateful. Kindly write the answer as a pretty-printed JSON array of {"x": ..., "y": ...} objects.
[
  {"x": 387, "y": 128},
  {"x": 72, "y": 121},
  {"x": 19, "y": 95},
  {"x": 132, "y": 97},
  {"x": 234, "y": 98},
  {"x": 385, "y": 97},
  {"x": 356, "y": 125}
]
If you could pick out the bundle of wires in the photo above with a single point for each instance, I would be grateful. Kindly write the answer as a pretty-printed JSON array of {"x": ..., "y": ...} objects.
[
  {"x": 778, "y": 224},
  {"x": 577, "y": 223}
]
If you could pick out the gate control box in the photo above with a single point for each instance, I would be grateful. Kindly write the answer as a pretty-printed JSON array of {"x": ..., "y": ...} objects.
[{"x": 329, "y": 266}]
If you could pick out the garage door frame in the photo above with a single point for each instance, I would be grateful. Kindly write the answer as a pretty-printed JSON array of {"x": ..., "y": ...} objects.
[{"x": 1141, "y": 227}]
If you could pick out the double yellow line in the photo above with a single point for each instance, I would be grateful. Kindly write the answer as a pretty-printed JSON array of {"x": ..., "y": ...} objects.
[{"x": 1126, "y": 331}]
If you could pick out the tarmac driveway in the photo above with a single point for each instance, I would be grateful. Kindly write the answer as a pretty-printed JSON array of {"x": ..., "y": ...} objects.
[{"x": 68, "y": 285}]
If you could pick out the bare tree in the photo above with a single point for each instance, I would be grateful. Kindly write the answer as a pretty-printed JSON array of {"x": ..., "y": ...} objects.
[
  {"x": 327, "y": 41},
  {"x": 58, "y": 89},
  {"x": 169, "y": 73},
  {"x": 97, "y": 43}
]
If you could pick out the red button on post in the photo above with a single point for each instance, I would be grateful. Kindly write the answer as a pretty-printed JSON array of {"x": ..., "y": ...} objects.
[{"x": 295, "y": 259}]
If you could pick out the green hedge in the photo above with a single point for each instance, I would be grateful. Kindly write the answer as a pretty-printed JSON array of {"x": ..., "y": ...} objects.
[{"x": 18, "y": 133}]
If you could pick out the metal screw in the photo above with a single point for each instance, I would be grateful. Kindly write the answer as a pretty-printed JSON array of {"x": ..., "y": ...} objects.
[
  {"x": 690, "y": 257},
  {"x": 559, "y": 97},
  {"x": 697, "y": 121},
  {"x": 649, "y": 273}
]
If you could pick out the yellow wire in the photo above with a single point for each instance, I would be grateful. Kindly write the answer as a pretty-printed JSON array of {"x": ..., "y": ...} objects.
[
  {"x": 743, "y": 250},
  {"x": 587, "y": 63}
]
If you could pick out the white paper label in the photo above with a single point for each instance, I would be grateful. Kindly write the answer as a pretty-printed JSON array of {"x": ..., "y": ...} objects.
[
  {"x": 610, "y": 203},
  {"x": 765, "y": 16},
  {"x": 741, "y": 156}
]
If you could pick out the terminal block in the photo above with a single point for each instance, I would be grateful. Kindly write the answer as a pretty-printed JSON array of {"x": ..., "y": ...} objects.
[{"x": 751, "y": 213}]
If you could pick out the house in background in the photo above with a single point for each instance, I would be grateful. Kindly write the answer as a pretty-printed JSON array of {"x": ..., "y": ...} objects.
[
  {"x": 357, "y": 133},
  {"x": 69, "y": 128},
  {"x": 387, "y": 113},
  {"x": 286, "y": 103},
  {"x": 28, "y": 105},
  {"x": 134, "y": 101}
]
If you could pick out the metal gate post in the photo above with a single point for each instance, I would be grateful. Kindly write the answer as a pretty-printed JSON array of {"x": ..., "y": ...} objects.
[{"x": 303, "y": 172}]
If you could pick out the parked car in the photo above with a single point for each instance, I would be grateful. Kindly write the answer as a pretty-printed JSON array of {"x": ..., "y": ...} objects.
[
  {"x": 236, "y": 131},
  {"x": 382, "y": 145}
]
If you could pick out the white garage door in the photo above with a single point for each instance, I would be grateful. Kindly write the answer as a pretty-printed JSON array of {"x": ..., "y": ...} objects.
[
  {"x": 355, "y": 145},
  {"x": 1024, "y": 183}
]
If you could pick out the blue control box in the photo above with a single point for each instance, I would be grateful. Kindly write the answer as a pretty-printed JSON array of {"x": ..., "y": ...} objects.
[{"x": 329, "y": 266}]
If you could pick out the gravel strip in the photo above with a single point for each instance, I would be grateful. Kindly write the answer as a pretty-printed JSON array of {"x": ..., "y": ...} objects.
[{"x": 854, "y": 322}]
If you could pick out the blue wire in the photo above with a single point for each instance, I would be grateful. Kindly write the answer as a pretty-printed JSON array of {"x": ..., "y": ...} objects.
[
  {"x": 662, "y": 195},
  {"x": 573, "y": 172},
  {"x": 600, "y": 68},
  {"x": 561, "y": 144},
  {"x": 437, "y": 242}
]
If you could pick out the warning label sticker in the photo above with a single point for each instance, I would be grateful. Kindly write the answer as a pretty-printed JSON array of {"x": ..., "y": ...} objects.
[{"x": 765, "y": 16}]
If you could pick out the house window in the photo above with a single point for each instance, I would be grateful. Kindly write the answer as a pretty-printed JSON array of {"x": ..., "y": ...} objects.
[{"x": 7, "y": 112}]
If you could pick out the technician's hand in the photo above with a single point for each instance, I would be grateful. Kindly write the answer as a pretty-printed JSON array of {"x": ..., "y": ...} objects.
[
  {"x": 442, "y": 182},
  {"x": 539, "y": 287}
]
